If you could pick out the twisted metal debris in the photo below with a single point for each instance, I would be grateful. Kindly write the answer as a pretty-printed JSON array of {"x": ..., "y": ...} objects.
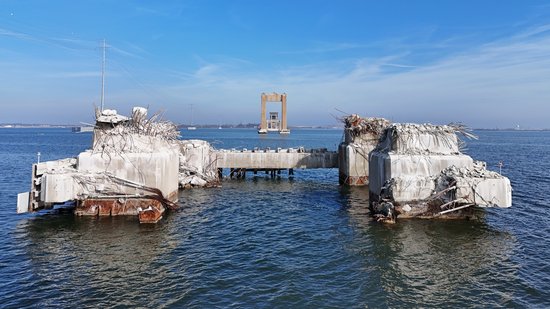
[{"x": 357, "y": 125}]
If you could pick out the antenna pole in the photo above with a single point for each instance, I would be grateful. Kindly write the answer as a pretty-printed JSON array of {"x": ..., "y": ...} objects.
[{"x": 103, "y": 77}]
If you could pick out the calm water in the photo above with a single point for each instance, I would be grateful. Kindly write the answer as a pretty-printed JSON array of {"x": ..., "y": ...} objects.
[{"x": 264, "y": 242}]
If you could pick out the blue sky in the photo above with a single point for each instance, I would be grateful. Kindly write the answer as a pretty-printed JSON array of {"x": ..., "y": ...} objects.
[{"x": 483, "y": 63}]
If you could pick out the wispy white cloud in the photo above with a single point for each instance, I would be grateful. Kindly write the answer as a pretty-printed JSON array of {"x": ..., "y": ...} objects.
[
  {"x": 124, "y": 52},
  {"x": 75, "y": 44},
  {"x": 324, "y": 47},
  {"x": 500, "y": 83},
  {"x": 75, "y": 74},
  {"x": 14, "y": 34}
]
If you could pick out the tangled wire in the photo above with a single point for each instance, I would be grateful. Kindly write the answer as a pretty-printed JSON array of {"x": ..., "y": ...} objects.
[{"x": 358, "y": 125}]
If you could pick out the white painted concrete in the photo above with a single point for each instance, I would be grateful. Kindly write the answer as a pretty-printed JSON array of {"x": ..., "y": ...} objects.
[
  {"x": 58, "y": 188},
  {"x": 493, "y": 192},
  {"x": 156, "y": 169},
  {"x": 410, "y": 188},
  {"x": 23, "y": 202},
  {"x": 385, "y": 166},
  {"x": 282, "y": 159}
]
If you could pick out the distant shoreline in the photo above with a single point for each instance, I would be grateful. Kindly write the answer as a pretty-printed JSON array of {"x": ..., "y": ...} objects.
[{"x": 225, "y": 126}]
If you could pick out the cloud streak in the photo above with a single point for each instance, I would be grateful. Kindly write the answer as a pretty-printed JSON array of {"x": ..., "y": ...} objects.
[
  {"x": 73, "y": 44},
  {"x": 497, "y": 84},
  {"x": 325, "y": 48},
  {"x": 14, "y": 34}
]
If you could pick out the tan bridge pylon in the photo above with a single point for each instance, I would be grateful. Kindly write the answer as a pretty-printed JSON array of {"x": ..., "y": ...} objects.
[{"x": 273, "y": 97}]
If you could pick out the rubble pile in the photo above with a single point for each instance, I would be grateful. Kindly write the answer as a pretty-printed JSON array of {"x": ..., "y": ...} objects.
[
  {"x": 115, "y": 134},
  {"x": 357, "y": 126},
  {"x": 471, "y": 185},
  {"x": 197, "y": 166},
  {"x": 118, "y": 135}
]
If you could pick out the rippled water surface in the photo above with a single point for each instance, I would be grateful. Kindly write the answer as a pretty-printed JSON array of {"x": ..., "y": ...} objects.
[{"x": 262, "y": 242}]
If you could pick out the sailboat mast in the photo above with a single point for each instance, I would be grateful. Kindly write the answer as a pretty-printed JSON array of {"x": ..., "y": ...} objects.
[{"x": 103, "y": 77}]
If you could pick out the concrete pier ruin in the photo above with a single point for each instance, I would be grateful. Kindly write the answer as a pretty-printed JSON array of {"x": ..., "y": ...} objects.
[
  {"x": 136, "y": 166},
  {"x": 361, "y": 136},
  {"x": 131, "y": 169},
  {"x": 418, "y": 170}
]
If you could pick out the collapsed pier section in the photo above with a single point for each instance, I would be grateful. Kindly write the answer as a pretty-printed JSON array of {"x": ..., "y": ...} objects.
[
  {"x": 131, "y": 169},
  {"x": 420, "y": 170},
  {"x": 136, "y": 166},
  {"x": 417, "y": 170}
]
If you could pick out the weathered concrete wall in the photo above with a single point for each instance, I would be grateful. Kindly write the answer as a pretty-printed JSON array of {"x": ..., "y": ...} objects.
[
  {"x": 93, "y": 171},
  {"x": 385, "y": 166},
  {"x": 156, "y": 169},
  {"x": 275, "y": 159},
  {"x": 50, "y": 182},
  {"x": 491, "y": 192},
  {"x": 59, "y": 188},
  {"x": 361, "y": 136},
  {"x": 353, "y": 164},
  {"x": 196, "y": 155}
]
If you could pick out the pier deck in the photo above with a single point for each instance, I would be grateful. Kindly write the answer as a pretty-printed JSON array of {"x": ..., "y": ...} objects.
[{"x": 276, "y": 159}]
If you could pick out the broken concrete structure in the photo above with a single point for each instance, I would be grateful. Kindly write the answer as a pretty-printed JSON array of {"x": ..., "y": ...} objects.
[
  {"x": 131, "y": 169},
  {"x": 137, "y": 164},
  {"x": 418, "y": 170},
  {"x": 197, "y": 164},
  {"x": 361, "y": 136}
]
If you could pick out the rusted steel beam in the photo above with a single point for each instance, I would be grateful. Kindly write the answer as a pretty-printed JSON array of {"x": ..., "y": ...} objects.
[{"x": 148, "y": 210}]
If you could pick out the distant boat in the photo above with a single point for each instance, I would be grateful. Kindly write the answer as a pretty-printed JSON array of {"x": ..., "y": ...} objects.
[{"x": 191, "y": 128}]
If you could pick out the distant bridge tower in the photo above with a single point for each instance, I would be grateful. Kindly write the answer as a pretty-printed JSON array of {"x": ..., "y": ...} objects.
[{"x": 273, "y": 121}]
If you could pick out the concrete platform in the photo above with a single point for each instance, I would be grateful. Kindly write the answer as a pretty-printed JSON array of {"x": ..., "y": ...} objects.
[{"x": 276, "y": 159}]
